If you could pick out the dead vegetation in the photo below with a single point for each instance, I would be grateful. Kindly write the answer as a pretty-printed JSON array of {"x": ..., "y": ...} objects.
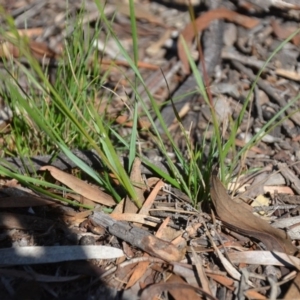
[{"x": 238, "y": 246}]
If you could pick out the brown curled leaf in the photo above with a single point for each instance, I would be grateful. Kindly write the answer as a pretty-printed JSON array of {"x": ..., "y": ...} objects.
[
  {"x": 202, "y": 23},
  {"x": 284, "y": 32},
  {"x": 237, "y": 216}
]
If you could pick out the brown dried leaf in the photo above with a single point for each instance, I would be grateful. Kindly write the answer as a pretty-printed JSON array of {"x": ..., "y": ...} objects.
[
  {"x": 80, "y": 186},
  {"x": 141, "y": 12},
  {"x": 38, "y": 50},
  {"x": 202, "y": 23},
  {"x": 119, "y": 208},
  {"x": 182, "y": 293},
  {"x": 284, "y": 32},
  {"x": 138, "y": 273},
  {"x": 265, "y": 258},
  {"x": 225, "y": 281},
  {"x": 151, "y": 198},
  {"x": 251, "y": 294},
  {"x": 237, "y": 216},
  {"x": 151, "y": 291},
  {"x": 8, "y": 50},
  {"x": 278, "y": 189}
]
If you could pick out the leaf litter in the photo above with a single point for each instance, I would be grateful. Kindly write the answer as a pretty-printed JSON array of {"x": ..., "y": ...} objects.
[{"x": 168, "y": 246}]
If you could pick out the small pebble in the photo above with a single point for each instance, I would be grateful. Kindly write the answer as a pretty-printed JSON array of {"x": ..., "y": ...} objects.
[
  {"x": 245, "y": 136},
  {"x": 267, "y": 138}
]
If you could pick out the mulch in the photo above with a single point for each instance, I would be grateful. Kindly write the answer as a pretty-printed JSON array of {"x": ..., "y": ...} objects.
[{"x": 243, "y": 246}]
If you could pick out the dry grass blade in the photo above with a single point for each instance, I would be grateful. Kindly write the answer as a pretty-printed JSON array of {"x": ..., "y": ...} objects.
[
  {"x": 136, "y": 218},
  {"x": 227, "y": 265},
  {"x": 200, "y": 271},
  {"x": 136, "y": 178}
]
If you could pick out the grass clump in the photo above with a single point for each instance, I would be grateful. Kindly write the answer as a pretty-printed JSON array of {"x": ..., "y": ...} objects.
[{"x": 50, "y": 117}]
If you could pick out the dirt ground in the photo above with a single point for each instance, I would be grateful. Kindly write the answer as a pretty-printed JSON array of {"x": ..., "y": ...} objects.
[{"x": 231, "y": 249}]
